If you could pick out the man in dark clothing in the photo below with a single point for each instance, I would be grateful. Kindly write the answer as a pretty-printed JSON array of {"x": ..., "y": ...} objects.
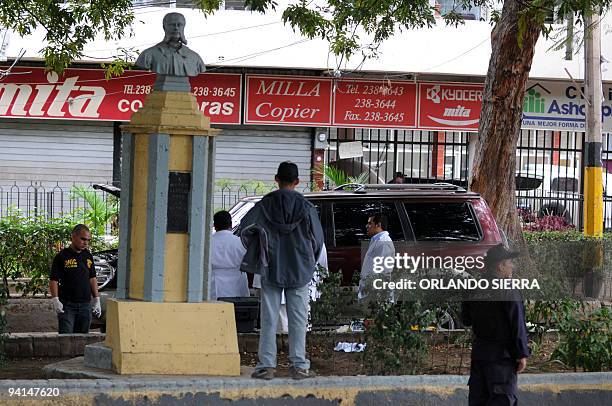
[
  {"x": 283, "y": 237},
  {"x": 73, "y": 282},
  {"x": 499, "y": 348}
]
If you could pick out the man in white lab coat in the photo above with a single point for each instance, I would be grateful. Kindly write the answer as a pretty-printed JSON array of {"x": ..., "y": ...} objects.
[{"x": 226, "y": 255}]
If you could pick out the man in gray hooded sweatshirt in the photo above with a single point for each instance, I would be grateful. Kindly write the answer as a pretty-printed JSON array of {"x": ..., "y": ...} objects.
[{"x": 283, "y": 237}]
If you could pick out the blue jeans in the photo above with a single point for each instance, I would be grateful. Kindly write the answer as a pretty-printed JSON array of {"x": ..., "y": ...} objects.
[
  {"x": 297, "y": 315},
  {"x": 75, "y": 319}
]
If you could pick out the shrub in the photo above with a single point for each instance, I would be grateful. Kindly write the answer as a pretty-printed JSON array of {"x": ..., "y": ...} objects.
[
  {"x": 549, "y": 223},
  {"x": 543, "y": 315},
  {"x": 325, "y": 310},
  {"x": 586, "y": 341},
  {"x": 566, "y": 263},
  {"x": 395, "y": 345},
  {"x": 526, "y": 215},
  {"x": 27, "y": 248},
  {"x": 567, "y": 235}
]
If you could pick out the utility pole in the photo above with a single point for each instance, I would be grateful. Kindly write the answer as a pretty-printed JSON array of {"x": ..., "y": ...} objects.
[{"x": 593, "y": 185}]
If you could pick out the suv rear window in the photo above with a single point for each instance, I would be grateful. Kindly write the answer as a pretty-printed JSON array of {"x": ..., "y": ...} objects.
[
  {"x": 350, "y": 220},
  {"x": 442, "y": 221}
]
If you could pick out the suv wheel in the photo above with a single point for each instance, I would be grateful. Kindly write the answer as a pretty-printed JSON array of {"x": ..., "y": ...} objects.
[{"x": 446, "y": 320}]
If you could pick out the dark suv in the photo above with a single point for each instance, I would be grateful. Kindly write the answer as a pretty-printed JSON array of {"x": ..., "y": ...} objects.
[
  {"x": 439, "y": 217},
  {"x": 426, "y": 217}
]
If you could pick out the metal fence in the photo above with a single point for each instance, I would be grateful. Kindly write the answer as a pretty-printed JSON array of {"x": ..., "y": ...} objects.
[
  {"x": 420, "y": 155},
  {"x": 36, "y": 199},
  {"x": 548, "y": 164},
  {"x": 553, "y": 161},
  {"x": 226, "y": 195},
  {"x": 56, "y": 201},
  {"x": 63, "y": 200}
]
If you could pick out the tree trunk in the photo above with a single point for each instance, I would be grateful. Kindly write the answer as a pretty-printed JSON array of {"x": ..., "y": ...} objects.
[{"x": 500, "y": 120}]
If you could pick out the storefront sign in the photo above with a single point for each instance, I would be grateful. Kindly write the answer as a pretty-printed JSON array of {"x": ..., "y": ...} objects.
[
  {"x": 380, "y": 104},
  {"x": 84, "y": 94},
  {"x": 284, "y": 100},
  {"x": 561, "y": 107},
  {"x": 449, "y": 106}
]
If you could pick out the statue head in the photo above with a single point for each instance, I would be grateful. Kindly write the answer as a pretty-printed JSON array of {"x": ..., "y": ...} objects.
[
  {"x": 174, "y": 28},
  {"x": 161, "y": 59}
]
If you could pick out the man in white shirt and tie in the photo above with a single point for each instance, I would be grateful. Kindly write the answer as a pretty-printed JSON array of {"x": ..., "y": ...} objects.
[{"x": 226, "y": 255}]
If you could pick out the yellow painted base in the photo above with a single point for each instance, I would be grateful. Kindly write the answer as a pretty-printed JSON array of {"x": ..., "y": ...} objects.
[
  {"x": 593, "y": 202},
  {"x": 168, "y": 112},
  {"x": 172, "y": 338}
]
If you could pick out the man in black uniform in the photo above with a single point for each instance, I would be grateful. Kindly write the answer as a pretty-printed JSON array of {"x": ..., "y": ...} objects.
[
  {"x": 73, "y": 282},
  {"x": 499, "y": 349}
]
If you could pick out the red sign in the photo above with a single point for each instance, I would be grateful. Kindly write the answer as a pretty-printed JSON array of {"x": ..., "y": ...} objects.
[
  {"x": 380, "y": 104},
  {"x": 447, "y": 106},
  {"x": 287, "y": 100},
  {"x": 84, "y": 94}
]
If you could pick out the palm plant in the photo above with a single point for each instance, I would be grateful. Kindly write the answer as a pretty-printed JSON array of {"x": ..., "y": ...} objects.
[
  {"x": 337, "y": 177},
  {"x": 100, "y": 211}
]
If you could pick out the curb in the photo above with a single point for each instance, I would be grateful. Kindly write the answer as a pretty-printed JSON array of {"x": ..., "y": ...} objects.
[
  {"x": 27, "y": 345},
  {"x": 541, "y": 390}
]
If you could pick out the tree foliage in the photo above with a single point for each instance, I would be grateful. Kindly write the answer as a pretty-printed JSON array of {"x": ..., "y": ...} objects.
[
  {"x": 350, "y": 26},
  {"x": 69, "y": 25},
  {"x": 360, "y": 26}
]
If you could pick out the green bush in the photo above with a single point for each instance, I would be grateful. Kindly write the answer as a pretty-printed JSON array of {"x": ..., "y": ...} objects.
[
  {"x": 395, "y": 343},
  {"x": 27, "y": 248},
  {"x": 586, "y": 341},
  {"x": 543, "y": 315},
  {"x": 572, "y": 235},
  {"x": 325, "y": 310},
  {"x": 566, "y": 264}
]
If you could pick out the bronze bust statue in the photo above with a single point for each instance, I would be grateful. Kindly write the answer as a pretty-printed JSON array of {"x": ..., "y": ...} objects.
[{"x": 171, "y": 56}]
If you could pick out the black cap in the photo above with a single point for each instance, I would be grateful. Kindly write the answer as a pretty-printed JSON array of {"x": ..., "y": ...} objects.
[
  {"x": 499, "y": 253},
  {"x": 287, "y": 172}
]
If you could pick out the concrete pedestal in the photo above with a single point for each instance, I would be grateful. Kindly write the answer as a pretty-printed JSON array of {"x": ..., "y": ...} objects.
[
  {"x": 159, "y": 323},
  {"x": 168, "y": 339}
]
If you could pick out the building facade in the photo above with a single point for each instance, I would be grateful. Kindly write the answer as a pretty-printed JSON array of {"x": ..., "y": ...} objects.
[{"x": 286, "y": 104}]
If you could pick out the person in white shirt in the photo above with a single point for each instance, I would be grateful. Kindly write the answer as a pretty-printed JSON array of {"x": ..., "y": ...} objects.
[
  {"x": 226, "y": 254},
  {"x": 381, "y": 245}
]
